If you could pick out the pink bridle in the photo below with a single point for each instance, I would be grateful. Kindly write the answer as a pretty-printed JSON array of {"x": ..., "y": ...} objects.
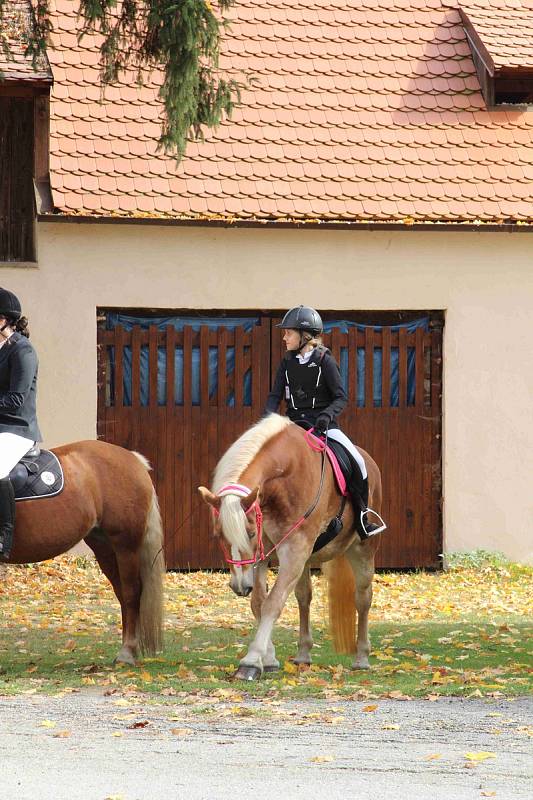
[{"x": 240, "y": 490}]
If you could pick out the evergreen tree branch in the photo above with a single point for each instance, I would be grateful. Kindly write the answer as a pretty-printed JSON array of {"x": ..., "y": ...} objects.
[{"x": 179, "y": 37}]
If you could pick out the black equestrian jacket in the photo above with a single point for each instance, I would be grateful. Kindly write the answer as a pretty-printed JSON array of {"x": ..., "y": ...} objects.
[
  {"x": 18, "y": 388},
  {"x": 309, "y": 389}
]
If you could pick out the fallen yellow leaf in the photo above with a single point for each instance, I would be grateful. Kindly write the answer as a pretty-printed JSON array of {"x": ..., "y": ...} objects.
[
  {"x": 481, "y": 756},
  {"x": 289, "y": 667},
  {"x": 321, "y": 759},
  {"x": 370, "y": 708},
  {"x": 47, "y": 723}
]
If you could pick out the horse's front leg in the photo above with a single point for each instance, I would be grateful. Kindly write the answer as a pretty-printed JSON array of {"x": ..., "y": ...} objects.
[
  {"x": 361, "y": 558},
  {"x": 259, "y": 595},
  {"x": 304, "y": 595},
  {"x": 255, "y": 660}
]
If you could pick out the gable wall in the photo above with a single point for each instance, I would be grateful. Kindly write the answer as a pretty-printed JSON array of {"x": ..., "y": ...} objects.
[{"x": 483, "y": 281}]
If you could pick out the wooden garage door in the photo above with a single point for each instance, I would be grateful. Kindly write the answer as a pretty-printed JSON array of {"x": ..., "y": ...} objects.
[{"x": 182, "y": 396}]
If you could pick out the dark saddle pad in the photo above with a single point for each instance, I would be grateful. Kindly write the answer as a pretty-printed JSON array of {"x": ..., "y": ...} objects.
[
  {"x": 347, "y": 464},
  {"x": 354, "y": 484},
  {"x": 37, "y": 475},
  {"x": 349, "y": 467}
]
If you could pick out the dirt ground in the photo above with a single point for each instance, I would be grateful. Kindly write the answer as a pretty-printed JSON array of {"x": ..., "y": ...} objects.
[{"x": 91, "y": 746}]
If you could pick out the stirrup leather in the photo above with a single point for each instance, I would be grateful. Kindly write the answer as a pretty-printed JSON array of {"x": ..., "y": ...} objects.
[{"x": 381, "y": 526}]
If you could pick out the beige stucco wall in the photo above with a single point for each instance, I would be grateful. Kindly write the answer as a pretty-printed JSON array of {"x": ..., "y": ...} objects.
[{"x": 483, "y": 281}]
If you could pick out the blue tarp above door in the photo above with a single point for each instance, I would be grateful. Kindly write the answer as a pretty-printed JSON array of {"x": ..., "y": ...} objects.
[{"x": 127, "y": 321}]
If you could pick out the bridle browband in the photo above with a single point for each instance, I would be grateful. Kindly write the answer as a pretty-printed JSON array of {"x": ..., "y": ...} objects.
[{"x": 239, "y": 490}]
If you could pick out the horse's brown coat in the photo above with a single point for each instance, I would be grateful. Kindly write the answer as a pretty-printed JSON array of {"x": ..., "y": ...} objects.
[
  {"x": 287, "y": 472},
  {"x": 109, "y": 501}
]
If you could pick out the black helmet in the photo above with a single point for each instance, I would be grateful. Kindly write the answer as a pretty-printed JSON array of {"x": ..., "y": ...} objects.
[
  {"x": 302, "y": 318},
  {"x": 9, "y": 304}
]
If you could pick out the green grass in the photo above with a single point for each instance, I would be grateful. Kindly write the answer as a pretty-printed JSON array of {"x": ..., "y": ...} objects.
[
  {"x": 416, "y": 659},
  {"x": 466, "y": 631}
]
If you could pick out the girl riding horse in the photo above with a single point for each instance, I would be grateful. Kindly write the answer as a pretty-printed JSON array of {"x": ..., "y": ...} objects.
[{"x": 310, "y": 381}]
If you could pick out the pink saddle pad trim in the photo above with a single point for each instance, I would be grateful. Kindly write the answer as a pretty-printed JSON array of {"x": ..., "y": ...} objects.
[{"x": 339, "y": 477}]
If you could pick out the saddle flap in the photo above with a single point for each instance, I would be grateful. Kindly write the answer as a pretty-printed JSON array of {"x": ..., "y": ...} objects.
[{"x": 39, "y": 475}]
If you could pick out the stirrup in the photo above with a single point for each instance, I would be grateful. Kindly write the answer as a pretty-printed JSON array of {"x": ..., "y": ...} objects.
[{"x": 372, "y": 528}]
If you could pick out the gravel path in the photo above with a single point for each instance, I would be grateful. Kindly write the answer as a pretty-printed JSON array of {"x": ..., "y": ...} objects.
[{"x": 88, "y": 746}]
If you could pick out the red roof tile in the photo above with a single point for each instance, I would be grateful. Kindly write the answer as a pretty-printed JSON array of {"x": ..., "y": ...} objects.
[
  {"x": 505, "y": 28},
  {"x": 364, "y": 110},
  {"x": 15, "y": 66}
]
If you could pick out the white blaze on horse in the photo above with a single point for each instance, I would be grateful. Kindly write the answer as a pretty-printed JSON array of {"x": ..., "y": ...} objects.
[{"x": 273, "y": 492}]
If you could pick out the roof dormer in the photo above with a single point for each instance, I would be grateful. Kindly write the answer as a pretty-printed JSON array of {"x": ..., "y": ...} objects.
[{"x": 501, "y": 41}]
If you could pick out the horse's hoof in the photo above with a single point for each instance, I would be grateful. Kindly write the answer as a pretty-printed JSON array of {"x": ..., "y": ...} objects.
[
  {"x": 245, "y": 673},
  {"x": 271, "y": 668},
  {"x": 300, "y": 662},
  {"x": 361, "y": 666}
]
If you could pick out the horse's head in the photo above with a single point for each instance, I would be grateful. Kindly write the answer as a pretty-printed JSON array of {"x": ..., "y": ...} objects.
[{"x": 236, "y": 520}]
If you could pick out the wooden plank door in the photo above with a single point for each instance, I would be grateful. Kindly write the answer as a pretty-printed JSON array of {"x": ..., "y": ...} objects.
[
  {"x": 182, "y": 423},
  {"x": 394, "y": 385},
  {"x": 174, "y": 409}
]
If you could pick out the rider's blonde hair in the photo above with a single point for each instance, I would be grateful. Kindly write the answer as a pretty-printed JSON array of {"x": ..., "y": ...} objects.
[{"x": 309, "y": 338}]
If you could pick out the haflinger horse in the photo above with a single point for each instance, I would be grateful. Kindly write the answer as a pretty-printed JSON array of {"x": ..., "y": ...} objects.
[
  {"x": 108, "y": 500},
  {"x": 263, "y": 490}
]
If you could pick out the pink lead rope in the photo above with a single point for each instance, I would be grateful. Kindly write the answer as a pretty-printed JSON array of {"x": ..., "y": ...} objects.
[{"x": 236, "y": 489}]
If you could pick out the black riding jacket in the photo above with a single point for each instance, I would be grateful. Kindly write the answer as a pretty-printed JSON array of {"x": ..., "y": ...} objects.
[
  {"x": 309, "y": 389},
  {"x": 18, "y": 388}
]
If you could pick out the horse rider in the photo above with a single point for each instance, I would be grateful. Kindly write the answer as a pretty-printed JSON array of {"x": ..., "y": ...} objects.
[
  {"x": 19, "y": 430},
  {"x": 309, "y": 380}
]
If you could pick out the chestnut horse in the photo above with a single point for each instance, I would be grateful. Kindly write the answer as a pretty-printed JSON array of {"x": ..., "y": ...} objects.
[
  {"x": 109, "y": 501},
  {"x": 270, "y": 478}
]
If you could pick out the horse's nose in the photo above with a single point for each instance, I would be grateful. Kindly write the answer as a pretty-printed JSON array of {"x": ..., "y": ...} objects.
[{"x": 245, "y": 591}]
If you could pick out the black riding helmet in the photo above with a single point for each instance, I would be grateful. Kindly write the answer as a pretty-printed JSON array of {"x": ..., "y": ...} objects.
[
  {"x": 9, "y": 305},
  {"x": 302, "y": 318}
]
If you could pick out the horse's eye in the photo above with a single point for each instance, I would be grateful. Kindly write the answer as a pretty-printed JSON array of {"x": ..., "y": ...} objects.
[{"x": 251, "y": 533}]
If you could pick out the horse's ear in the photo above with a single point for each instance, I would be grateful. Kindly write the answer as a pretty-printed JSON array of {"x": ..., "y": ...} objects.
[
  {"x": 209, "y": 498},
  {"x": 250, "y": 499}
]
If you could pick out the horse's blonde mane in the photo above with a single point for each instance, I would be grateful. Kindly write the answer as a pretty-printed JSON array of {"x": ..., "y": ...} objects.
[
  {"x": 230, "y": 468},
  {"x": 242, "y": 452}
]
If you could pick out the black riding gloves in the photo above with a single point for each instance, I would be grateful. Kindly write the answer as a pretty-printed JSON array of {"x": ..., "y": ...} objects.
[{"x": 322, "y": 423}]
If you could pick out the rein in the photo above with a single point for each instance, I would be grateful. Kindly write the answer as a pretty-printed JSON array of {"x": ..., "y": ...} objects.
[{"x": 319, "y": 446}]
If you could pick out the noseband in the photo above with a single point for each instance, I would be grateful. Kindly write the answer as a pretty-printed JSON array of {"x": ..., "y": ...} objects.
[
  {"x": 237, "y": 489},
  {"x": 243, "y": 491}
]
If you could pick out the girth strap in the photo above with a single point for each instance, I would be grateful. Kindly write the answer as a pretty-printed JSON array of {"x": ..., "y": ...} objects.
[{"x": 333, "y": 529}]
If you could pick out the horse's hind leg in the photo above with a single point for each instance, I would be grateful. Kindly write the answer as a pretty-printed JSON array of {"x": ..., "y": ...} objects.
[
  {"x": 108, "y": 563},
  {"x": 361, "y": 558},
  {"x": 304, "y": 595}
]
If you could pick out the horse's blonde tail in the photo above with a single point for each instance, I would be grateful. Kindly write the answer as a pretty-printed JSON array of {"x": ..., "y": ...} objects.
[
  {"x": 152, "y": 572},
  {"x": 341, "y": 604}
]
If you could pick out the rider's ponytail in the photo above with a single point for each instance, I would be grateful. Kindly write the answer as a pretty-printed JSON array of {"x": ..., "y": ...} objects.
[{"x": 21, "y": 326}]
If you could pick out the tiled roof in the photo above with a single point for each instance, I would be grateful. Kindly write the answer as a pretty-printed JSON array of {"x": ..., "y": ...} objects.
[
  {"x": 361, "y": 110},
  {"x": 506, "y": 30},
  {"x": 15, "y": 23}
]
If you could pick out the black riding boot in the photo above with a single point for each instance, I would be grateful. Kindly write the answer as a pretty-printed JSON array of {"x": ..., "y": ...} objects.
[
  {"x": 358, "y": 489},
  {"x": 7, "y": 517}
]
